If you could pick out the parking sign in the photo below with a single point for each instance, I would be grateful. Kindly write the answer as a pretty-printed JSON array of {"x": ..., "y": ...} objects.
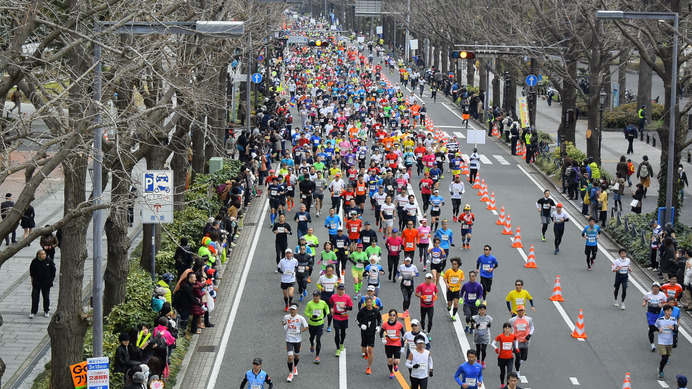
[{"x": 157, "y": 190}]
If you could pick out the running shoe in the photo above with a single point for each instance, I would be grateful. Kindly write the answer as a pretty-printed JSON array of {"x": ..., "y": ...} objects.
[
  {"x": 454, "y": 318},
  {"x": 329, "y": 329},
  {"x": 653, "y": 347},
  {"x": 368, "y": 371},
  {"x": 286, "y": 308},
  {"x": 660, "y": 374},
  {"x": 338, "y": 352},
  {"x": 615, "y": 304},
  {"x": 622, "y": 306},
  {"x": 454, "y": 218},
  {"x": 483, "y": 364},
  {"x": 295, "y": 370},
  {"x": 301, "y": 298},
  {"x": 290, "y": 377},
  {"x": 312, "y": 349},
  {"x": 365, "y": 356},
  {"x": 341, "y": 347},
  {"x": 391, "y": 376},
  {"x": 317, "y": 360}
]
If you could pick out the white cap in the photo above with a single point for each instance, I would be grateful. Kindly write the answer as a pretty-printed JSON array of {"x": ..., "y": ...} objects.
[
  {"x": 428, "y": 275},
  {"x": 288, "y": 251}
]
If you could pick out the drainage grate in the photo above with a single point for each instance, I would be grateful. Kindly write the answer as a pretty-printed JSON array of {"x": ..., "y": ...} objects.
[{"x": 206, "y": 349}]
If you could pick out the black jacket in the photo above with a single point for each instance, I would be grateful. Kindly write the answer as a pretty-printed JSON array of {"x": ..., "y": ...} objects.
[
  {"x": 122, "y": 360},
  {"x": 42, "y": 272}
]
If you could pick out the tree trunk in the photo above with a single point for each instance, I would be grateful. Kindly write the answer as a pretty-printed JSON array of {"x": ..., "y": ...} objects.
[
  {"x": 512, "y": 90},
  {"x": 497, "y": 92},
  {"x": 117, "y": 265},
  {"x": 664, "y": 136},
  {"x": 180, "y": 166},
  {"x": 568, "y": 96},
  {"x": 644, "y": 87},
  {"x": 470, "y": 73},
  {"x": 155, "y": 161},
  {"x": 198, "y": 157},
  {"x": 443, "y": 58},
  {"x": 622, "y": 74},
  {"x": 68, "y": 324},
  {"x": 436, "y": 56},
  {"x": 483, "y": 73}
]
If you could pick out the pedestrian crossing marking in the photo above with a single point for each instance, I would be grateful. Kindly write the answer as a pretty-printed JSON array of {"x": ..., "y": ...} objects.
[
  {"x": 663, "y": 384},
  {"x": 485, "y": 160},
  {"x": 523, "y": 379},
  {"x": 501, "y": 159},
  {"x": 459, "y": 135},
  {"x": 574, "y": 381}
]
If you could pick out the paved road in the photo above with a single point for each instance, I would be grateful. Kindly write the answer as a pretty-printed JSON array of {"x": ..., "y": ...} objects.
[{"x": 617, "y": 339}]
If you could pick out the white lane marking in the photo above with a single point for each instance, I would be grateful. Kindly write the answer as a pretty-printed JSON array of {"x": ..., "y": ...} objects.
[
  {"x": 523, "y": 379},
  {"x": 461, "y": 337},
  {"x": 486, "y": 160},
  {"x": 236, "y": 303},
  {"x": 574, "y": 380},
  {"x": 459, "y": 135},
  {"x": 501, "y": 160},
  {"x": 343, "y": 382},
  {"x": 564, "y": 315},
  {"x": 580, "y": 227},
  {"x": 451, "y": 126},
  {"x": 663, "y": 384},
  {"x": 452, "y": 111}
]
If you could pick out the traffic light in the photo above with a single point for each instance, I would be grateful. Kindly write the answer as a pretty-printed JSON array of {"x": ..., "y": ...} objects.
[{"x": 463, "y": 54}]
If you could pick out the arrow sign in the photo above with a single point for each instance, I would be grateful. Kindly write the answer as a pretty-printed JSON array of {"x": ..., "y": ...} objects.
[
  {"x": 260, "y": 58},
  {"x": 531, "y": 80},
  {"x": 256, "y": 78}
]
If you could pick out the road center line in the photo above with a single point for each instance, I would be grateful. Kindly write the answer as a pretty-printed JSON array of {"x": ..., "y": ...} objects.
[
  {"x": 343, "y": 382},
  {"x": 236, "y": 302}
]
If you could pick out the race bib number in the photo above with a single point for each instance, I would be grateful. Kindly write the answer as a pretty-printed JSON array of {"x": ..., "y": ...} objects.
[
  {"x": 486, "y": 267},
  {"x": 301, "y": 269},
  {"x": 256, "y": 386},
  {"x": 470, "y": 381},
  {"x": 409, "y": 245},
  {"x": 445, "y": 237},
  {"x": 333, "y": 226},
  {"x": 407, "y": 282},
  {"x": 436, "y": 260},
  {"x": 340, "y": 306},
  {"x": 454, "y": 280},
  {"x": 373, "y": 277},
  {"x": 359, "y": 265},
  {"x": 624, "y": 270},
  {"x": 366, "y": 239},
  {"x": 482, "y": 326},
  {"x": 506, "y": 345},
  {"x": 340, "y": 244},
  {"x": 391, "y": 334},
  {"x": 317, "y": 312},
  {"x": 302, "y": 218},
  {"x": 288, "y": 272},
  {"x": 670, "y": 293},
  {"x": 274, "y": 193},
  {"x": 389, "y": 212},
  {"x": 354, "y": 229},
  {"x": 520, "y": 301},
  {"x": 292, "y": 332},
  {"x": 329, "y": 288},
  {"x": 521, "y": 327},
  {"x": 395, "y": 248},
  {"x": 434, "y": 208},
  {"x": 280, "y": 230},
  {"x": 427, "y": 298},
  {"x": 420, "y": 155},
  {"x": 471, "y": 296}
]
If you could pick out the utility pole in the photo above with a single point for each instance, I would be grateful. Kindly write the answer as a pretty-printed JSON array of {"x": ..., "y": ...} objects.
[{"x": 249, "y": 80}]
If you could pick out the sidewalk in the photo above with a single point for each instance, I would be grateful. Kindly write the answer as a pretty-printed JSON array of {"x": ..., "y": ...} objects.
[
  {"x": 24, "y": 342},
  {"x": 613, "y": 146}
]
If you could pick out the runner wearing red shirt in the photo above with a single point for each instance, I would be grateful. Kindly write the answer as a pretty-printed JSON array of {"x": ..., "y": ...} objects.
[
  {"x": 392, "y": 160},
  {"x": 672, "y": 289},
  {"x": 429, "y": 161},
  {"x": 394, "y": 244},
  {"x": 427, "y": 293},
  {"x": 391, "y": 333},
  {"x": 508, "y": 345},
  {"x": 353, "y": 226},
  {"x": 426, "y": 185},
  {"x": 419, "y": 152},
  {"x": 348, "y": 194},
  {"x": 381, "y": 134}
]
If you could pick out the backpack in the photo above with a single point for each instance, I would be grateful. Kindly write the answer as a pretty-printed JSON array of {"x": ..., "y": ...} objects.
[
  {"x": 159, "y": 340},
  {"x": 643, "y": 171},
  {"x": 220, "y": 188}
]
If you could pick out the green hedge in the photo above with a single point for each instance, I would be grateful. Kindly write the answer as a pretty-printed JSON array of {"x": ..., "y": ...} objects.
[
  {"x": 620, "y": 117},
  {"x": 201, "y": 202}
]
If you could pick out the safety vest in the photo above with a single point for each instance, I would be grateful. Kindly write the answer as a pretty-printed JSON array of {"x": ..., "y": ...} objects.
[
  {"x": 527, "y": 137},
  {"x": 256, "y": 381},
  {"x": 641, "y": 113}
]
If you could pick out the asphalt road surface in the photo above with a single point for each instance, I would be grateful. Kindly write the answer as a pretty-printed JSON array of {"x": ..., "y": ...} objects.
[{"x": 617, "y": 342}]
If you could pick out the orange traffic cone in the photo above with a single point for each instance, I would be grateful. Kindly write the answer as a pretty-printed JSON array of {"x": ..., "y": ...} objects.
[
  {"x": 485, "y": 197},
  {"x": 495, "y": 131},
  {"x": 476, "y": 183},
  {"x": 627, "y": 384},
  {"x": 480, "y": 188},
  {"x": 579, "y": 331},
  {"x": 523, "y": 152},
  {"x": 557, "y": 291},
  {"x": 508, "y": 226},
  {"x": 517, "y": 150},
  {"x": 465, "y": 169},
  {"x": 501, "y": 220},
  {"x": 531, "y": 260},
  {"x": 491, "y": 206},
  {"x": 517, "y": 239}
]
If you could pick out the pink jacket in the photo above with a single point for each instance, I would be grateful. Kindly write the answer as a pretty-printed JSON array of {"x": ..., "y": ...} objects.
[{"x": 163, "y": 330}]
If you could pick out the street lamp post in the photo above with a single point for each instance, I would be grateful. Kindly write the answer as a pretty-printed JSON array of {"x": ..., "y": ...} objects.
[
  {"x": 201, "y": 28},
  {"x": 620, "y": 15},
  {"x": 602, "y": 98}
]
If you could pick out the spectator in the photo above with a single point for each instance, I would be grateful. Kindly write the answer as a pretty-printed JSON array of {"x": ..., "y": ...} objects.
[
  {"x": 28, "y": 222},
  {"x": 122, "y": 356},
  {"x": 48, "y": 243},
  {"x": 42, "y": 272},
  {"x": 185, "y": 300},
  {"x": 5, "y": 208}
]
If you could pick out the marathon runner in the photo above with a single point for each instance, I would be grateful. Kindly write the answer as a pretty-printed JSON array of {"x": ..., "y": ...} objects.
[
  {"x": 453, "y": 279},
  {"x": 287, "y": 268},
  {"x": 392, "y": 333},
  {"x": 522, "y": 327},
  {"x": 471, "y": 293},
  {"x": 294, "y": 324},
  {"x": 469, "y": 375},
  {"x": 327, "y": 285},
  {"x": 427, "y": 293},
  {"x": 487, "y": 264},
  {"x": 481, "y": 337},
  {"x": 316, "y": 310},
  {"x": 622, "y": 269},
  {"x": 466, "y": 219},
  {"x": 340, "y": 304},
  {"x": 369, "y": 319}
]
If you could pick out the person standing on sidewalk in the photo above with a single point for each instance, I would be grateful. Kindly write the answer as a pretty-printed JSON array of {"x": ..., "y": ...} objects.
[
  {"x": 16, "y": 98},
  {"x": 5, "y": 208},
  {"x": 42, "y": 273},
  {"x": 642, "y": 118},
  {"x": 630, "y": 134},
  {"x": 28, "y": 222},
  {"x": 644, "y": 173},
  {"x": 682, "y": 182}
]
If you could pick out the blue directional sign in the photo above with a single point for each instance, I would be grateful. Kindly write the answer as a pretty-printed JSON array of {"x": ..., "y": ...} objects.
[
  {"x": 540, "y": 78},
  {"x": 257, "y": 78},
  {"x": 531, "y": 80}
]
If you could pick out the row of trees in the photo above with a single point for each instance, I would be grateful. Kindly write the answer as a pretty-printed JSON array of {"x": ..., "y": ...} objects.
[
  {"x": 163, "y": 96},
  {"x": 561, "y": 40}
]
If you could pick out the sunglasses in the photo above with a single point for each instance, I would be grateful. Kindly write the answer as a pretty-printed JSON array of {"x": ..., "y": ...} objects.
[
  {"x": 486, "y": 249},
  {"x": 518, "y": 284}
]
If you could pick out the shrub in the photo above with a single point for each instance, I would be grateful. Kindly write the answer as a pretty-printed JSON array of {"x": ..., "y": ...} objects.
[{"x": 620, "y": 117}]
